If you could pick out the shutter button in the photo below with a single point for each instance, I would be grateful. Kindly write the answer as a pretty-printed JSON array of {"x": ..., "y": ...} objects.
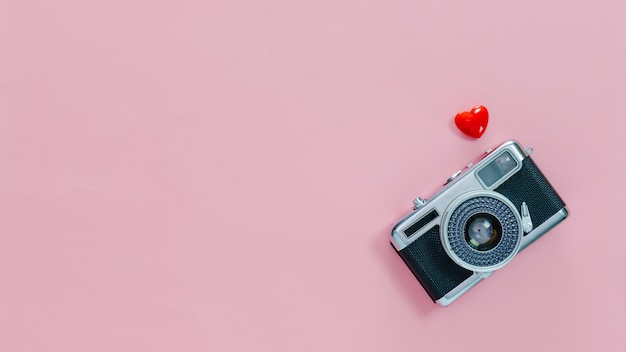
[{"x": 452, "y": 177}]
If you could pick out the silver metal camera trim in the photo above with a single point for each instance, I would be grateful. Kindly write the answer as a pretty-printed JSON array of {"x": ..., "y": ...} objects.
[
  {"x": 462, "y": 183},
  {"x": 483, "y": 271}
]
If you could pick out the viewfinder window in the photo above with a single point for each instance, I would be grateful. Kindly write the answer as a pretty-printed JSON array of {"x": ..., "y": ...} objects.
[{"x": 496, "y": 169}]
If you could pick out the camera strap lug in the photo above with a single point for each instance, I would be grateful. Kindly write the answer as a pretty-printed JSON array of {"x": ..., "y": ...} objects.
[{"x": 529, "y": 150}]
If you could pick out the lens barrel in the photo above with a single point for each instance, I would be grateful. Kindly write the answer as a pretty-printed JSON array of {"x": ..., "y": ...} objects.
[{"x": 481, "y": 231}]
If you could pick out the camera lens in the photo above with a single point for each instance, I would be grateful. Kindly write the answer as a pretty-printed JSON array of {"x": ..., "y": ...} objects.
[{"x": 483, "y": 231}]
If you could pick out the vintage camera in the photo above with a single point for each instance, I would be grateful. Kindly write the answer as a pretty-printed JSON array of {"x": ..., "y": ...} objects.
[{"x": 483, "y": 216}]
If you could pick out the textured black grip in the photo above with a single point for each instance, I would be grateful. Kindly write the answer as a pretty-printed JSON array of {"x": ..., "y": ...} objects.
[
  {"x": 530, "y": 186},
  {"x": 432, "y": 267}
]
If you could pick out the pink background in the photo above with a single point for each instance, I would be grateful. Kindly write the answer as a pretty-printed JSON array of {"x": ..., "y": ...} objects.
[{"x": 223, "y": 175}]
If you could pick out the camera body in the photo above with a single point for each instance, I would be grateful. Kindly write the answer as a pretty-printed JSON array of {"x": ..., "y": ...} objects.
[{"x": 483, "y": 216}]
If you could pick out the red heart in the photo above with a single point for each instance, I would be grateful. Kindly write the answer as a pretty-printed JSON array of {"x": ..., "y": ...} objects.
[{"x": 474, "y": 122}]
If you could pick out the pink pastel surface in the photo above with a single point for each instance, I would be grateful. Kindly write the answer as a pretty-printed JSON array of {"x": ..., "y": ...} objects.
[{"x": 224, "y": 175}]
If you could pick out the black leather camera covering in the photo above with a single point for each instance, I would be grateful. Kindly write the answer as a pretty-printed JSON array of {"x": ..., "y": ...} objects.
[
  {"x": 429, "y": 262},
  {"x": 432, "y": 267},
  {"x": 530, "y": 186}
]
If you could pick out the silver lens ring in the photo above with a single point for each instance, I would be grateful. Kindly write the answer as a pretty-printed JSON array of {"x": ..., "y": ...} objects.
[{"x": 492, "y": 212}]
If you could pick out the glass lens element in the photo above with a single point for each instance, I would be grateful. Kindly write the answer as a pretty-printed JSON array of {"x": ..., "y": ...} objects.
[{"x": 483, "y": 231}]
